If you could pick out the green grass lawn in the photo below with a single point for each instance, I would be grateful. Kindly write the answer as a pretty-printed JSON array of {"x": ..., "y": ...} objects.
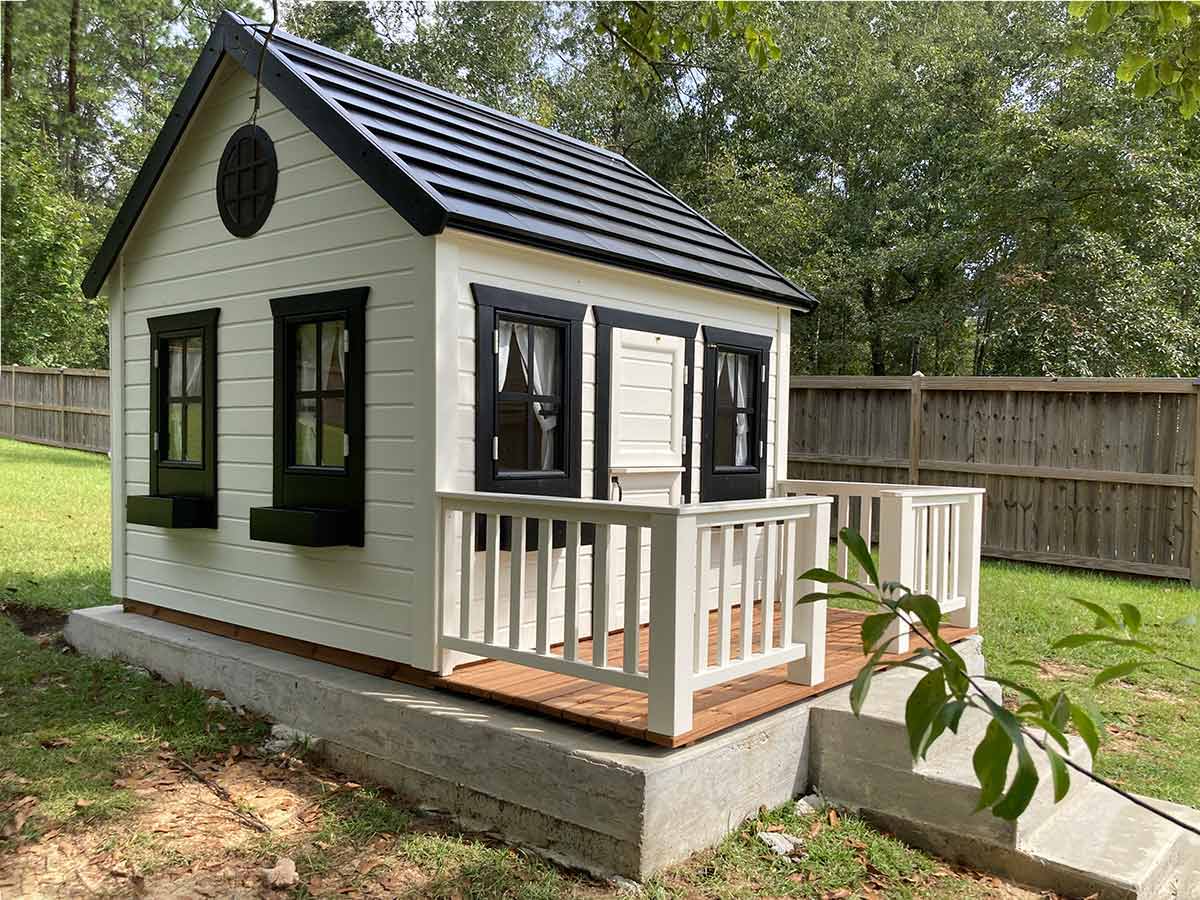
[
  {"x": 71, "y": 728},
  {"x": 54, "y": 526}
]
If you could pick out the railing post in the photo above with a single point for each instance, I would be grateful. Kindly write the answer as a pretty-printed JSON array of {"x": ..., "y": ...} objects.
[
  {"x": 809, "y": 621},
  {"x": 897, "y": 553},
  {"x": 970, "y": 549},
  {"x": 672, "y": 613}
]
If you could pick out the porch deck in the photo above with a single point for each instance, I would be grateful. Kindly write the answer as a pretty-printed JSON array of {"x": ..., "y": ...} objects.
[{"x": 623, "y": 711}]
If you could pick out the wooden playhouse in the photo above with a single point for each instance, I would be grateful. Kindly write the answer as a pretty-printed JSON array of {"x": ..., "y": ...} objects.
[{"x": 406, "y": 379}]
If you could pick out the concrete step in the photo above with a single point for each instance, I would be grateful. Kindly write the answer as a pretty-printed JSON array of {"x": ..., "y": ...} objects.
[
  {"x": 879, "y": 734},
  {"x": 1103, "y": 844}
]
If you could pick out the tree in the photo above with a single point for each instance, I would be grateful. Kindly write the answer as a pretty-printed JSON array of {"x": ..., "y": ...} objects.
[{"x": 1161, "y": 46}]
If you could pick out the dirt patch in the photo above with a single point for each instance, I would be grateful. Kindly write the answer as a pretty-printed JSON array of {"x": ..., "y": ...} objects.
[
  {"x": 41, "y": 623},
  {"x": 1057, "y": 670},
  {"x": 212, "y": 831}
]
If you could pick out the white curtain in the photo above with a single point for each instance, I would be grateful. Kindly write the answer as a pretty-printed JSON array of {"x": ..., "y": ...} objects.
[
  {"x": 545, "y": 364},
  {"x": 741, "y": 452},
  {"x": 505, "y": 342}
]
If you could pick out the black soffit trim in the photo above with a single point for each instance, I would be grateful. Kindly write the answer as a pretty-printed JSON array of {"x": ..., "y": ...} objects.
[
  {"x": 620, "y": 318},
  {"x": 441, "y": 161},
  {"x": 533, "y": 304},
  {"x": 725, "y": 338}
]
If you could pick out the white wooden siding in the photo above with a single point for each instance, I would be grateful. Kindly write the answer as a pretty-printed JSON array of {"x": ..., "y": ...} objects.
[
  {"x": 327, "y": 230},
  {"x": 465, "y": 259}
]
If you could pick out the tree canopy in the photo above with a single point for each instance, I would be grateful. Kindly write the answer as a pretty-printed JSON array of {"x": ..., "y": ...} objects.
[{"x": 966, "y": 187}]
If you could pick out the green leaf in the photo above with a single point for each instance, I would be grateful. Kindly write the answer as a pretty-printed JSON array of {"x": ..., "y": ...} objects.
[
  {"x": 1021, "y": 791},
  {"x": 1062, "y": 778},
  {"x": 1128, "y": 68},
  {"x": 990, "y": 761},
  {"x": 948, "y": 716},
  {"x": 1098, "y": 19},
  {"x": 1078, "y": 8},
  {"x": 825, "y": 577},
  {"x": 858, "y": 548},
  {"x": 1120, "y": 670},
  {"x": 873, "y": 628},
  {"x": 1132, "y": 616},
  {"x": 925, "y": 608},
  {"x": 1087, "y": 728},
  {"x": 1081, "y": 640},
  {"x": 925, "y": 701},
  {"x": 1104, "y": 619},
  {"x": 1060, "y": 714},
  {"x": 1147, "y": 84}
]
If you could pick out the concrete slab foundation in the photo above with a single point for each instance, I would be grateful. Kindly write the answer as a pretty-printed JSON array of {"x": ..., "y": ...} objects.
[{"x": 600, "y": 803}]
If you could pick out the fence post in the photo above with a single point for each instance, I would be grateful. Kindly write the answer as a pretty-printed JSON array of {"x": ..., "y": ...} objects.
[
  {"x": 12, "y": 399},
  {"x": 914, "y": 430},
  {"x": 970, "y": 545},
  {"x": 809, "y": 622},
  {"x": 897, "y": 554},
  {"x": 672, "y": 613},
  {"x": 1196, "y": 489},
  {"x": 62, "y": 406}
]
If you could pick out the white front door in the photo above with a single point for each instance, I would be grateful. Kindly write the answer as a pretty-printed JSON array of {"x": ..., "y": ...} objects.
[{"x": 646, "y": 434}]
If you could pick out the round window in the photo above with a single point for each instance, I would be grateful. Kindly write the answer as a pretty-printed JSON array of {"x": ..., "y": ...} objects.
[{"x": 246, "y": 179}]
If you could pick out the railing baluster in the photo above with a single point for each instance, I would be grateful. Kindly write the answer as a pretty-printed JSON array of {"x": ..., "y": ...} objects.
[
  {"x": 516, "y": 581},
  {"x": 466, "y": 586},
  {"x": 749, "y": 576},
  {"x": 633, "y": 596},
  {"x": 600, "y": 591},
  {"x": 843, "y": 556},
  {"x": 491, "y": 595},
  {"x": 725, "y": 615},
  {"x": 865, "y": 513},
  {"x": 545, "y": 552},
  {"x": 770, "y": 584},
  {"x": 787, "y": 540},
  {"x": 571, "y": 594},
  {"x": 922, "y": 568},
  {"x": 935, "y": 552},
  {"x": 955, "y": 545},
  {"x": 700, "y": 631}
]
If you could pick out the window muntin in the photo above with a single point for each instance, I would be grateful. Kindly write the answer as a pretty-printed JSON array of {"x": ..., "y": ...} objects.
[
  {"x": 529, "y": 396},
  {"x": 181, "y": 437},
  {"x": 318, "y": 395},
  {"x": 735, "y": 429}
]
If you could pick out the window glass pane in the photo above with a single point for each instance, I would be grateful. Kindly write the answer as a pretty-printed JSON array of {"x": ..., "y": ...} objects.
[
  {"x": 195, "y": 365},
  {"x": 333, "y": 426},
  {"x": 194, "y": 452},
  {"x": 723, "y": 445},
  {"x": 545, "y": 436},
  {"x": 726, "y": 365},
  {"x": 174, "y": 431},
  {"x": 306, "y": 432},
  {"x": 306, "y": 357},
  {"x": 332, "y": 376},
  {"x": 741, "y": 442},
  {"x": 512, "y": 429},
  {"x": 512, "y": 363},
  {"x": 175, "y": 367},
  {"x": 546, "y": 354}
]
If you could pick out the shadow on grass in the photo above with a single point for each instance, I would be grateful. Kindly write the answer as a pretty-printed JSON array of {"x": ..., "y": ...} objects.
[{"x": 67, "y": 589}]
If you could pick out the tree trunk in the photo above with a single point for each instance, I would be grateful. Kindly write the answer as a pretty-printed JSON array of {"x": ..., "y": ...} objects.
[
  {"x": 870, "y": 305},
  {"x": 72, "y": 57},
  {"x": 6, "y": 65}
]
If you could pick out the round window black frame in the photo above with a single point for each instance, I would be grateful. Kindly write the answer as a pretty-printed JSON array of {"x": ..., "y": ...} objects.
[{"x": 264, "y": 160}]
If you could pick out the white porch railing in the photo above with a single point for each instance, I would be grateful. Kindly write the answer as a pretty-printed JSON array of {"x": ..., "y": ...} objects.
[
  {"x": 929, "y": 539},
  {"x": 704, "y": 561}
]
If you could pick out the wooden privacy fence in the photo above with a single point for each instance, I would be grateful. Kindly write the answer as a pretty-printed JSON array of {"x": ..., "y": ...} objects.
[
  {"x": 1099, "y": 473},
  {"x": 61, "y": 407}
]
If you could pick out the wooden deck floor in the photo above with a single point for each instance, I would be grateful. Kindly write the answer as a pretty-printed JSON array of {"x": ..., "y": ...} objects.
[
  {"x": 622, "y": 711},
  {"x": 597, "y": 706}
]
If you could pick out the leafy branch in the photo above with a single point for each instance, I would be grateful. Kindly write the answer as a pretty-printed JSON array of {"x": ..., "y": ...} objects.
[{"x": 947, "y": 690}]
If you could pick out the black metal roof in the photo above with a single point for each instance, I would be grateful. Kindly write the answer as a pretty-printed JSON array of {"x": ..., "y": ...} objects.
[{"x": 443, "y": 161}]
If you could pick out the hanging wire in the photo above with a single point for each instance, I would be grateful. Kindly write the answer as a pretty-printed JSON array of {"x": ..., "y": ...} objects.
[{"x": 262, "y": 58}]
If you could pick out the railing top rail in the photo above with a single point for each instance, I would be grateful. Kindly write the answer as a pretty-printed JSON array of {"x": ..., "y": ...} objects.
[
  {"x": 616, "y": 512},
  {"x": 876, "y": 489}
]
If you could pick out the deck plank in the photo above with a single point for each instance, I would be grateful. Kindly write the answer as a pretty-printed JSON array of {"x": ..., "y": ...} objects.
[{"x": 624, "y": 712}]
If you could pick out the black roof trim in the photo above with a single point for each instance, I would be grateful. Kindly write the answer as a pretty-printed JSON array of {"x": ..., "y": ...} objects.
[{"x": 444, "y": 161}]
